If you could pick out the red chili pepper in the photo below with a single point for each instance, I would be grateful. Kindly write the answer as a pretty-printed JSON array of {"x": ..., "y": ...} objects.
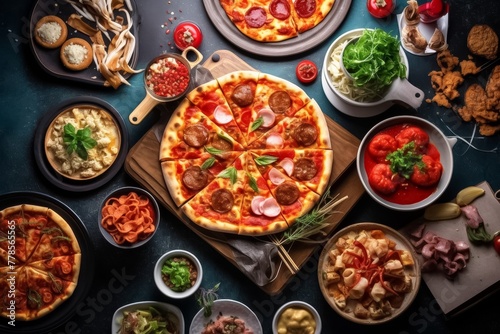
[
  {"x": 366, "y": 258},
  {"x": 385, "y": 286}
]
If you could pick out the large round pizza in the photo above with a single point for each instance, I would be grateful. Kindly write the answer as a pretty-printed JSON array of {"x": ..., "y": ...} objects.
[
  {"x": 39, "y": 261},
  {"x": 246, "y": 153}
]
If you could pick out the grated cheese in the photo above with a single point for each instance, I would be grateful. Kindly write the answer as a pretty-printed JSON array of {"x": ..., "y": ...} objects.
[
  {"x": 50, "y": 32},
  {"x": 75, "y": 53}
]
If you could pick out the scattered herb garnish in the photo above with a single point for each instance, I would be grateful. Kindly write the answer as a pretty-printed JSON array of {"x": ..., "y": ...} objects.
[
  {"x": 35, "y": 298},
  {"x": 206, "y": 299},
  {"x": 229, "y": 173},
  {"x": 314, "y": 221},
  {"x": 57, "y": 285},
  {"x": 221, "y": 135},
  {"x": 404, "y": 159},
  {"x": 256, "y": 124},
  {"x": 213, "y": 151},
  {"x": 78, "y": 141},
  {"x": 264, "y": 160},
  {"x": 178, "y": 274},
  {"x": 374, "y": 61}
]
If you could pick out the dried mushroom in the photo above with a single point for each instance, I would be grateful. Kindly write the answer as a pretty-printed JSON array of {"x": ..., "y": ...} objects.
[
  {"x": 411, "y": 14},
  {"x": 437, "y": 41},
  {"x": 413, "y": 40}
]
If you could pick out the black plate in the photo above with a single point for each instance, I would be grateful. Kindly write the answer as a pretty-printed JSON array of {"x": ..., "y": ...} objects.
[
  {"x": 66, "y": 310},
  {"x": 49, "y": 59},
  {"x": 78, "y": 185},
  {"x": 292, "y": 46}
]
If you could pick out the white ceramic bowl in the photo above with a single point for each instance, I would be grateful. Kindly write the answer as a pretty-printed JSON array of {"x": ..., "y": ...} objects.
[
  {"x": 401, "y": 91},
  {"x": 161, "y": 284},
  {"x": 298, "y": 305},
  {"x": 124, "y": 191},
  {"x": 144, "y": 305},
  {"x": 436, "y": 137}
]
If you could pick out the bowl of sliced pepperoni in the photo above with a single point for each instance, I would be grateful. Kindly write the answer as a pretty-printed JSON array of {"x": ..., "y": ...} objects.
[
  {"x": 129, "y": 217},
  {"x": 405, "y": 163}
]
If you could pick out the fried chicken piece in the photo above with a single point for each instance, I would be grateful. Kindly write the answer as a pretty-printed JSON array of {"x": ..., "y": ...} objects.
[
  {"x": 476, "y": 109},
  {"x": 441, "y": 100},
  {"x": 451, "y": 81},
  {"x": 483, "y": 41},
  {"x": 446, "y": 60},
  {"x": 493, "y": 90},
  {"x": 489, "y": 129},
  {"x": 468, "y": 67}
]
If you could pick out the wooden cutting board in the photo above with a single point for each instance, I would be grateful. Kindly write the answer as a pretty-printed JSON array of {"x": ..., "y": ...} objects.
[{"x": 142, "y": 165}]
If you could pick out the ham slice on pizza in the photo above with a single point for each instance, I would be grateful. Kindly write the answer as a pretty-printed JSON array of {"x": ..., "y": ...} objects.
[
  {"x": 210, "y": 99},
  {"x": 311, "y": 167},
  {"x": 190, "y": 132}
]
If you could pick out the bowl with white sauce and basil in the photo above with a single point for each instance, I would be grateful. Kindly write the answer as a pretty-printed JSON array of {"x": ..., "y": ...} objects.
[
  {"x": 365, "y": 72},
  {"x": 82, "y": 142}
]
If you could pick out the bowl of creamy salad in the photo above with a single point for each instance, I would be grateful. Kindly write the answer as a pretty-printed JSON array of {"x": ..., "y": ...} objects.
[{"x": 82, "y": 142}]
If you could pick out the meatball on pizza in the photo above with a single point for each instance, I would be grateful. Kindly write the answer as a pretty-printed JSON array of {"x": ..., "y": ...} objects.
[{"x": 247, "y": 153}]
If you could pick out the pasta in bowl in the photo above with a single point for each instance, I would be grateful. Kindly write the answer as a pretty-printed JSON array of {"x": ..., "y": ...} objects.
[
  {"x": 338, "y": 82},
  {"x": 369, "y": 273},
  {"x": 128, "y": 217}
]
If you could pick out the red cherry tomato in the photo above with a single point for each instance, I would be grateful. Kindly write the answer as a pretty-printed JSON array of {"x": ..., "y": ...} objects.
[
  {"x": 187, "y": 34},
  {"x": 306, "y": 71},
  {"x": 496, "y": 242},
  {"x": 380, "y": 8}
]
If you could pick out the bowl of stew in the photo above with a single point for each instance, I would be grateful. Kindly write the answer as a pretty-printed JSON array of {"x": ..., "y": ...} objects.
[{"x": 405, "y": 163}]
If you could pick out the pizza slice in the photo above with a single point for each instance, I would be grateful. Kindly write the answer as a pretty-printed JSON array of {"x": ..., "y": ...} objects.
[
  {"x": 294, "y": 197},
  {"x": 210, "y": 99},
  {"x": 45, "y": 292},
  {"x": 218, "y": 206},
  {"x": 190, "y": 132},
  {"x": 311, "y": 167},
  {"x": 57, "y": 239},
  {"x": 239, "y": 90},
  {"x": 186, "y": 177},
  {"x": 306, "y": 129},
  {"x": 275, "y": 99},
  {"x": 66, "y": 267},
  {"x": 307, "y": 14},
  {"x": 262, "y": 20},
  {"x": 260, "y": 212},
  {"x": 13, "y": 289}
]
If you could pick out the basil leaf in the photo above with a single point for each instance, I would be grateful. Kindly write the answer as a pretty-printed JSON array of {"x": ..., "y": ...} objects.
[
  {"x": 252, "y": 182},
  {"x": 213, "y": 151},
  {"x": 81, "y": 151},
  {"x": 256, "y": 124},
  {"x": 69, "y": 133},
  {"x": 264, "y": 160},
  {"x": 226, "y": 138},
  {"x": 208, "y": 163},
  {"x": 229, "y": 173}
]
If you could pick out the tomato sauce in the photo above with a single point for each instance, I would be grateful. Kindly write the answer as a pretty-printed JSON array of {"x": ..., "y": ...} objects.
[{"x": 406, "y": 192}]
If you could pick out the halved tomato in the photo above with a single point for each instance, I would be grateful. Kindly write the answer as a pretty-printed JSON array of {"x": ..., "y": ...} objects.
[
  {"x": 187, "y": 34},
  {"x": 306, "y": 71}
]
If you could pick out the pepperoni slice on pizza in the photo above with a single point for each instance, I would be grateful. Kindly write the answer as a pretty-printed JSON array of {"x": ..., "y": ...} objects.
[{"x": 307, "y": 14}]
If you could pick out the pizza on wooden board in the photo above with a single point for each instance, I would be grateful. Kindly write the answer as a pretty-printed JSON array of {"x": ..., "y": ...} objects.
[
  {"x": 260, "y": 183},
  {"x": 40, "y": 261},
  {"x": 275, "y": 20}
]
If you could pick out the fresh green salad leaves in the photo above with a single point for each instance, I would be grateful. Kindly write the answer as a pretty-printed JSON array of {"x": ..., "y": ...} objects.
[
  {"x": 404, "y": 159},
  {"x": 206, "y": 299},
  {"x": 78, "y": 141},
  {"x": 374, "y": 61}
]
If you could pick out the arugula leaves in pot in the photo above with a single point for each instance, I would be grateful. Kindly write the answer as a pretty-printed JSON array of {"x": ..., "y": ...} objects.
[{"x": 78, "y": 141}]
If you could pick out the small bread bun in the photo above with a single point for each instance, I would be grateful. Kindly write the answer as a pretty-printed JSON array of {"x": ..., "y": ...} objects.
[
  {"x": 76, "y": 54},
  {"x": 50, "y": 32}
]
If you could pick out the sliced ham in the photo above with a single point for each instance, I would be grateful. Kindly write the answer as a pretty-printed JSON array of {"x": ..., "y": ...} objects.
[
  {"x": 288, "y": 165},
  {"x": 270, "y": 208},
  {"x": 472, "y": 215},
  {"x": 276, "y": 176},
  {"x": 222, "y": 115},
  {"x": 274, "y": 140},
  {"x": 256, "y": 204},
  {"x": 268, "y": 117}
]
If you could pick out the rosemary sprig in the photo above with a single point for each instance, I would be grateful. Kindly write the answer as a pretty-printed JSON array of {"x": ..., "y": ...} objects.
[
  {"x": 313, "y": 222},
  {"x": 206, "y": 299}
]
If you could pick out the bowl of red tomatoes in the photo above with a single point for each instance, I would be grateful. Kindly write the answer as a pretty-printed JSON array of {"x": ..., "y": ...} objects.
[{"x": 405, "y": 163}]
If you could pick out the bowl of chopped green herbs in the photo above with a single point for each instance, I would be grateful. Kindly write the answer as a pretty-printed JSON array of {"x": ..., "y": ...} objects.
[
  {"x": 367, "y": 68},
  {"x": 405, "y": 163},
  {"x": 178, "y": 274}
]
